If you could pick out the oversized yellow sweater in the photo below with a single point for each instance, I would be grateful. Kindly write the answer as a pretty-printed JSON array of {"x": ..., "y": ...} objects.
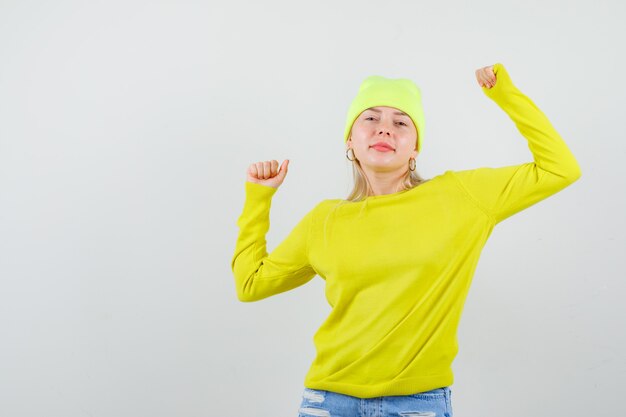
[{"x": 398, "y": 267}]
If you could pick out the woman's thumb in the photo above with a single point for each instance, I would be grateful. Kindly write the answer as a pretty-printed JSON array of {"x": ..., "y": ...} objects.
[{"x": 283, "y": 168}]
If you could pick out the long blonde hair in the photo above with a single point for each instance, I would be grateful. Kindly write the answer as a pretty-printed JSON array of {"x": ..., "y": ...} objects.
[{"x": 362, "y": 189}]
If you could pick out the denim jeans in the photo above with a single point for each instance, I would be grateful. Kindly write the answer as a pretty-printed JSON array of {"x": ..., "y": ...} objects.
[{"x": 320, "y": 403}]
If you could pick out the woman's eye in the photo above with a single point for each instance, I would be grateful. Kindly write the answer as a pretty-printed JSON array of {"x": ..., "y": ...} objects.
[{"x": 371, "y": 117}]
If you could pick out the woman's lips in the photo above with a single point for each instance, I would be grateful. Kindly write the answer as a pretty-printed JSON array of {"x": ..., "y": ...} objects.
[{"x": 382, "y": 148}]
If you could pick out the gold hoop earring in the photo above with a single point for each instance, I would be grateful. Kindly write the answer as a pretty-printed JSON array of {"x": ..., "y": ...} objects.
[
  {"x": 412, "y": 164},
  {"x": 353, "y": 156}
]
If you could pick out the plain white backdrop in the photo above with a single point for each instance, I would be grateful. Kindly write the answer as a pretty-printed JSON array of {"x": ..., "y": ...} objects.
[{"x": 126, "y": 128}]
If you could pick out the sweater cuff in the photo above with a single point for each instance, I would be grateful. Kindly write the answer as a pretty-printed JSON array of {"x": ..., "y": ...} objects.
[
  {"x": 503, "y": 87},
  {"x": 256, "y": 191}
]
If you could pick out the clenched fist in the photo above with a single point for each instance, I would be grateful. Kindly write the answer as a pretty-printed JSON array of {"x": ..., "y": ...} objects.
[
  {"x": 486, "y": 77},
  {"x": 267, "y": 173}
]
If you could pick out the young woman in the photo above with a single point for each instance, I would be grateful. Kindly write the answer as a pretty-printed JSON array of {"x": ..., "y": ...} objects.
[{"x": 398, "y": 255}]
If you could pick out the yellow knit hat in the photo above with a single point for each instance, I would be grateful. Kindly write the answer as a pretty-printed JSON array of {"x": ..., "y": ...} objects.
[{"x": 401, "y": 93}]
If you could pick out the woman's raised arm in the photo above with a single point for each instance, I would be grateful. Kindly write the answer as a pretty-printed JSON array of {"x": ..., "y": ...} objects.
[
  {"x": 504, "y": 191},
  {"x": 258, "y": 274}
]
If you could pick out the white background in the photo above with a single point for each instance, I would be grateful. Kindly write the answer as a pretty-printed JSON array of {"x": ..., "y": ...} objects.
[{"x": 126, "y": 128}]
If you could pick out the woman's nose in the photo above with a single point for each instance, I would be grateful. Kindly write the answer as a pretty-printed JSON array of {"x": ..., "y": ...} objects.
[{"x": 384, "y": 128}]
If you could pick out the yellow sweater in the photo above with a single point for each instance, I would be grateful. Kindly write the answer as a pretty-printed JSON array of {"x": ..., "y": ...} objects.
[{"x": 398, "y": 267}]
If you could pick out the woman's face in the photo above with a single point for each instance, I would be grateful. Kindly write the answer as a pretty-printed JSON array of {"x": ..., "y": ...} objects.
[{"x": 389, "y": 126}]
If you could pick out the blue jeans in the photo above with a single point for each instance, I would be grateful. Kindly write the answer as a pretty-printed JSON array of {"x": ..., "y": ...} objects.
[{"x": 320, "y": 403}]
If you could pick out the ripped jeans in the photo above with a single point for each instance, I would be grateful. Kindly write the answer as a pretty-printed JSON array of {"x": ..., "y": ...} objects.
[{"x": 320, "y": 403}]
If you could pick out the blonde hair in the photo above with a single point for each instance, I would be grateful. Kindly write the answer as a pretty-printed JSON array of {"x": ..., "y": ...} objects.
[{"x": 362, "y": 189}]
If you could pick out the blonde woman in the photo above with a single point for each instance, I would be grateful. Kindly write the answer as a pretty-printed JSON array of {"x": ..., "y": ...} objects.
[{"x": 399, "y": 253}]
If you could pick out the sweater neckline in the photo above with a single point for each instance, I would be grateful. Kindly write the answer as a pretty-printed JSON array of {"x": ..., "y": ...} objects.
[{"x": 398, "y": 193}]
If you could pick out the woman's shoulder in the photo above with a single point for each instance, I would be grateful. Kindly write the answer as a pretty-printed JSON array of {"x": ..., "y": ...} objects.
[
  {"x": 325, "y": 206},
  {"x": 329, "y": 203}
]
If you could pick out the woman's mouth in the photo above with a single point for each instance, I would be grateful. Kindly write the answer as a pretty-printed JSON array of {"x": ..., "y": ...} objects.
[{"x": 382, "y": 148}]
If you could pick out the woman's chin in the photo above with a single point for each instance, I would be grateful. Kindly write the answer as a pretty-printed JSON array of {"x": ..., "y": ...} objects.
[{"x": 376, "y": 164}]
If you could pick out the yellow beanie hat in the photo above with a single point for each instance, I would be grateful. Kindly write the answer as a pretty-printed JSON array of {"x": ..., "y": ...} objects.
[{"x": 401, "y": 93}]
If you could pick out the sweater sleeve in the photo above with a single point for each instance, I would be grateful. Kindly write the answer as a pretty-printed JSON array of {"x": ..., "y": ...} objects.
[
  {"x": 504, "y": 191},
  {"x": 258, "y": 274}
]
